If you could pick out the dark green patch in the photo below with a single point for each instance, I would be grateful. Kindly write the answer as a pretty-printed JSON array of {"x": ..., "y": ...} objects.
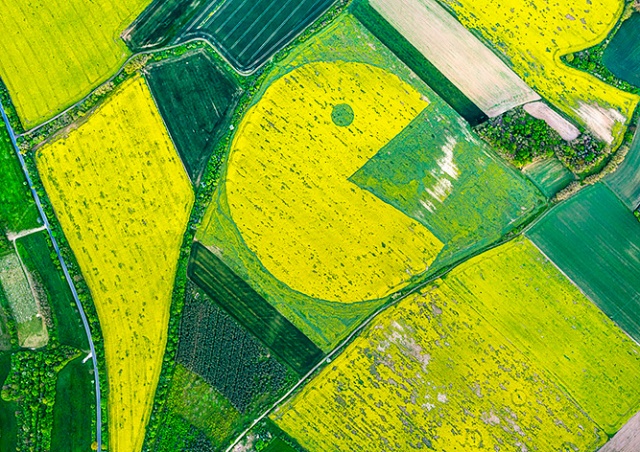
[
  {"x": 549, "y": 175},
  {"x": 194, "y": 97},
  {"x": 342, "y": 115},
  {"x": 39, "y": 258},
  {"x": 595, "y": 240},
  {"x": 412, "y": 57},
  {"x": 622, "y": 55},
  {"x": 73, "y": 412},
  {"x": 8, "y": 423},
  {"x": 625, "y": 181},
  {"x": 277, "y": 445},
  {"x": 435, "y": 172},
  {"x": 244, "y": 304}
]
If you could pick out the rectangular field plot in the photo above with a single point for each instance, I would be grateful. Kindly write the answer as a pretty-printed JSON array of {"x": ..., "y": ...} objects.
[
  {"x": 237, "y": 298},
  {"x": 595, "y": 240},
  {"x": 549, "y": 175},
  {"x": 535, "y": 33},
  {"x": 21, "y": 299},
  {"x": 124, "y": 208},
  {"x": 523, "y": 295},
  {"x": 248, "y": 33},
  {"x": 625, "y": 181},
  {"x": 622, "y": 55},
  {"x": 457, "y": 53},
  {"x": 55, "y": 51},
  {"x": 432, "y": 374},
  {"x": 194, "y": 98}
]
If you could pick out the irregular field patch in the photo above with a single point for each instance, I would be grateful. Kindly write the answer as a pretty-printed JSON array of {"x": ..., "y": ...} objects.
[
  {"x": 595, "y": 240},
  {"x": 194, "y": 97},
  {"x": 457, "y": 53},
  {"x": 524, "y": 296},
  {"x": 432, "y": 373},
  {"x": 557, "y": 122},
  {"x": 625, "y": 181},
  {"x": 123, "y": 207},
  {"x": 55, "y": 52},
  {"x": 622, "y": 55},
  {"x": 32, "y": 331},
  {"x": 534, "y": 34},
  {"x": 549, "y": 175}
]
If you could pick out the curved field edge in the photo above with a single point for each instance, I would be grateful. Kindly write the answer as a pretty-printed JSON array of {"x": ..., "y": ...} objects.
[{"x": 125, "y": 225}]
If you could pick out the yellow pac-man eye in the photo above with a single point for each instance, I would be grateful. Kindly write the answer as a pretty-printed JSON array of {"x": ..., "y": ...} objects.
[{"x": 288, "y": 190}]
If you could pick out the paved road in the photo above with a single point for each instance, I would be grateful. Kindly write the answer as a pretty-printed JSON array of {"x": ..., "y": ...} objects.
[{"x": 66, "y": 274}]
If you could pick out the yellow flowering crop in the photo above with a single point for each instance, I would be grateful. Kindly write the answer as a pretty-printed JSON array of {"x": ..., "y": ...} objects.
[
  {"x": 433, "y": 374},
  {"x": 123, "y": 198},
  {"x": 535, "y": 33},
  {"x": 288, "y": 190},
  {"x": 55, "y": 51}
]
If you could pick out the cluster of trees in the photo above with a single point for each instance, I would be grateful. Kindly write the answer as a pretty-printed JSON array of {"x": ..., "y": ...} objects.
[
  {"x": 32, "y": 385},
  {"x": 521, "y": 138}
]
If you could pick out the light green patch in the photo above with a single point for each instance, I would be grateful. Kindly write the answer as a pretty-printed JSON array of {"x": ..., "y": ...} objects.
[
  {"x": 342, "y": 115},
  {"x": 549, "y": 175}
]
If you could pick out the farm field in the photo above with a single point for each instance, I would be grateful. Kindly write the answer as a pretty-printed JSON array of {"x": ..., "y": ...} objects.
[
  {"x": 622, "y": 55},
  {"x": 36, "y": 255},
  {"x": 32, "y": 331},
  {"x": 549, "y": 175},
  {"x": 457, "y": 53},
  {"x": 625, "y": 181},
  {"x": 249, "y": 33},
  {"x": 412, "y": 57},
  {"x": 17, "y": 208},
  {"x": 564, "y": 332},
  {"x": 8, "y": 423},
  {"x": 55, "y": 52},
  {"x": 432, "y": 373},
  {"x": 124, "y": 208},
  {"x": 194, "y": 97},
  {"x": 72, "y": 411},
  {"x": 322, "y": 306},
  {"x": 161, "y": 22},
  {"x": 537, "y": 35},
  {"x": 595, "y": 240},
  {"x": 238, "y": 298}
]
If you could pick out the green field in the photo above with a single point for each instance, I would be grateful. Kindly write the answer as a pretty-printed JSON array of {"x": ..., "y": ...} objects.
[
  {"x": 549, "y": 175},
  {"x": 238, "y": 298},
  {"x": 397, "y": 43},
  {"x": 622, "y": 55},
  {"x": 17, "y": 208},
  {"x": 595, "y": 240},
  {"x": 72, "y": 411},
  {"x": 160, "y": 23},
  {"x": 8, "y": 423},
  {"x": 194, "y": 97},
  {"x": 625, "y": 181},
  {"x": 461, "y": 191},
  {"x": 278, "y": 445},
  {"x": 38, "y": 257}
]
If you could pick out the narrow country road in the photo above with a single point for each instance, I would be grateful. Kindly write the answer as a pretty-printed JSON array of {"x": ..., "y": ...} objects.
[{"x": 47, "y": 226}]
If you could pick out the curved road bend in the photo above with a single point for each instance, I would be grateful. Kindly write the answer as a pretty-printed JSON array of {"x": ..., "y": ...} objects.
[{"x": 66, "y": 274}]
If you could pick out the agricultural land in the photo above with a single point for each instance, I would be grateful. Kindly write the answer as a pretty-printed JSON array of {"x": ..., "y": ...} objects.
[
  {"x": 56, "y": 52},
  {"x": 124, "y": 208},
  {"x": 622, "y": 55}
]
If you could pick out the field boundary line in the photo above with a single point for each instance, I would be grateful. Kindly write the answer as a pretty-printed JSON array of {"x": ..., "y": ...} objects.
[{"x": 65, "y": 270}]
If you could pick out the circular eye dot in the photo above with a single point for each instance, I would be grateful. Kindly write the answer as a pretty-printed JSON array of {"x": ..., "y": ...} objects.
[{"x": 342, "y": 115}]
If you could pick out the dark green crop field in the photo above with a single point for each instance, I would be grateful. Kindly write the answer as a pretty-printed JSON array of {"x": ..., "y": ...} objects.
[
  {"x": 625, "y": 181},
  {"x": 161, "y": 22},
  {"x": 194, "y": 98},
  {"x": 622, "y": 55},
  {"x": 412, "y": 57},
  {"x": 8, "y": 423},
  {"x": 248, "y": 33},
  {"x": 35, "y": 253},
  {"x": 549, "y": 175},
  {"x": 595, "y": 240},
  {"x": 237, "y": 298},
  {"x": 72, "y": 412}
]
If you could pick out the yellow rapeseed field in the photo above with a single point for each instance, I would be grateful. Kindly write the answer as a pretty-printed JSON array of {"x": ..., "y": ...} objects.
[
  {"x": 123, "y": 198},
  {"x": 55, "y": 51},
  {"x": 539, "y": 311},
  {"x": 432, "y": 374},
  {"x": 533, "y": 34},
  {"x": 288, "y": 187}
]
